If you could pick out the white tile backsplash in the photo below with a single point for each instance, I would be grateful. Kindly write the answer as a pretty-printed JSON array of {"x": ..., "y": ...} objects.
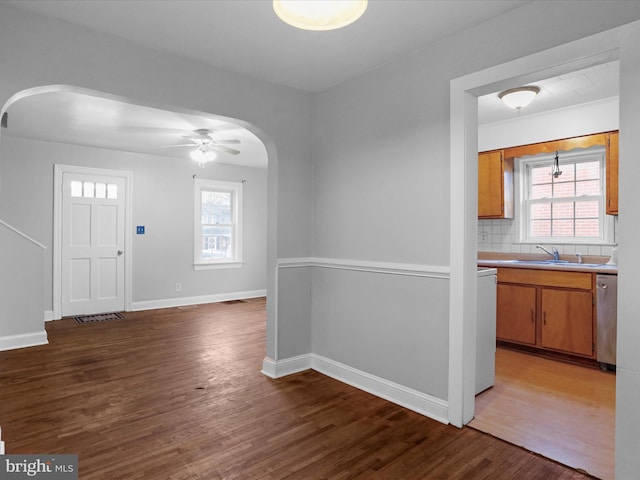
[{"x": 501, "y": 236}]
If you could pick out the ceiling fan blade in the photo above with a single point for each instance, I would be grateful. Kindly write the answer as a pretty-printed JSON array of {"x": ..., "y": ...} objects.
[
  {"x": 226, "y": 142},
  {"x": 181, "y": 145},
  {"x": 220, "y": 148}
]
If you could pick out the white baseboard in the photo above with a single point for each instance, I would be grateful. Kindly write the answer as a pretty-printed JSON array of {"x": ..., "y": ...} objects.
[
  {"x": 288, "y": 366},
  {"x": 11, "y": 342},
  {"x": 419, "y": 402},
  {"x": 202, "y": 299},
  {"x": 48, "y": 315}
]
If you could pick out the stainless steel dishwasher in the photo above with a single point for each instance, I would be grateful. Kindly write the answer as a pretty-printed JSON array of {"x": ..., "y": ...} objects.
[{"x": 607, "y": 320}]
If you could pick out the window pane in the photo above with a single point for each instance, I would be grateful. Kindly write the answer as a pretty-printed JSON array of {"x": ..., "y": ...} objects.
[
  {"x": 101, "y": 190},
  {"x": 588, "y": 171},
  {"x": 88, "y": 189},
  {"x": 562, "y": 228},
  {"x": 562, "y": 210},
  {"x": 76, "y": 188},
  {"x": 540, "y": 211},
  {"x": 563, "y": 190},
  {"x": 541, "y": 228},
  {"x": 540, "y": 175},
  {"x": 587, "y": 228},
  {"x": 112, "y": 191},
  {"x": 568, "y": 172},
  {"x": 587, "y": 210},
  {"x": 216, "y": 208},
  {"x": 216, "y": 242},
  {"x": 588, "y": 187},
  {"x": 541, "y": 191}
]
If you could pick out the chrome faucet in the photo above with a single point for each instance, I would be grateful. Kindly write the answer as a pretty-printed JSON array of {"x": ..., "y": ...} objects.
[{"x": 554, "y": 253}]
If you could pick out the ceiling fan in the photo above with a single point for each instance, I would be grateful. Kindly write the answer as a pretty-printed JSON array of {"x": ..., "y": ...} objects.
[{"x": 205, "y": 146}]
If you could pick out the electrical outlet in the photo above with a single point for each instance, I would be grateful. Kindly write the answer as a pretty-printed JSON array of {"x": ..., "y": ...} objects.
[
  {"x": 178, "y": 287},
  {"x": 484, "y": 236}
]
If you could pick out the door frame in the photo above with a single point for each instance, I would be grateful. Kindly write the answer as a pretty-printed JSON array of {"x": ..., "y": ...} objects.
[
  {"x": 59, "y": 171},
  {"x": 463, "y": 128}
]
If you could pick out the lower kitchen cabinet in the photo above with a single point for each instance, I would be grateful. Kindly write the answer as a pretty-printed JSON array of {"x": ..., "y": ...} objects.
[
  {"x": 567, "y": 321},
  {"x": 516, "y": 316},
  {"x": 547, "y": 310}
]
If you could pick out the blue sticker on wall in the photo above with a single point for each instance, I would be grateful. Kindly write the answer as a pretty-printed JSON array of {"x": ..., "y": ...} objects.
[{"x": 140, "y": 229}]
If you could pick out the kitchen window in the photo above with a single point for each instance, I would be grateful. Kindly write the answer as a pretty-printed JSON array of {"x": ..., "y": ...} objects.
[
  {"x": 218, "y": 221},
  {"x": 568, "y": 208}
]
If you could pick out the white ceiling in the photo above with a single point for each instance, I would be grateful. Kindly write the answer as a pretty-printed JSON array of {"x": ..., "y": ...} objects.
[
  {"x": 81, "y": 119},
  {"x": 575, "y": 88},
  {"x": 245, "y": 36}
]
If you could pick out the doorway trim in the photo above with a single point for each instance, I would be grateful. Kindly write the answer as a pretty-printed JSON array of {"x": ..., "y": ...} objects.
[
  {"x": 59, "y": 171},
  {"x": 464, "y": 91}
]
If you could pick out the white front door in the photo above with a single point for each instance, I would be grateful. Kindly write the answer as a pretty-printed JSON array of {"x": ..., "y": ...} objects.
[{"x": 92, "y": 241}]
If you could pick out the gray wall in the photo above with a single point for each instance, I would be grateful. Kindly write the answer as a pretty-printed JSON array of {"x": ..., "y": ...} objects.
[
  {"x": 162, "y": 202},
  {"x": 21, "y": 300}
]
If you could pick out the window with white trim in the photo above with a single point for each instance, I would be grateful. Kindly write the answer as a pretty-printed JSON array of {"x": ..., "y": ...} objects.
[
  {"x": 218, "y": 224},
  {"x": 570, "y": 207}
]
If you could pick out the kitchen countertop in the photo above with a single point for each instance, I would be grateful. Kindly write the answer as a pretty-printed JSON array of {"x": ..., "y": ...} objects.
[{"x": 592, "y": 264}]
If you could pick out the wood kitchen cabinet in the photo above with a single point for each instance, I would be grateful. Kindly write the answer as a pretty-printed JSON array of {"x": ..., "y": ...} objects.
[
  {"x": 495, "y": 185},
  {"x": 547, "y": 310},
  {"x": 516, "y": 314},
  {"x": 612, "y": 173},
  {"x": 488, "y": 176},
  {"x": 567, "y": 321}
]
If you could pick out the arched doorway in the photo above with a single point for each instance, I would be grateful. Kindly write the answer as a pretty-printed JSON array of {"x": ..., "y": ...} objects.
[{"x": 69, "y": 125}]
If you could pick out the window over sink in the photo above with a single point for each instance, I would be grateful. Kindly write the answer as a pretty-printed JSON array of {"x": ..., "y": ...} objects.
[{"x": 569, "y": 207}]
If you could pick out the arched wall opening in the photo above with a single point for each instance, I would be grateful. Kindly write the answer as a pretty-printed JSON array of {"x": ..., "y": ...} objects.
[{"x": 16, "y": 155}]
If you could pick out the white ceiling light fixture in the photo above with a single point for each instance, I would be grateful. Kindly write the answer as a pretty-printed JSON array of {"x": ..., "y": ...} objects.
[
  {"x": 203, "y": 155},
  {"x": 319, "y": 14},
  {"x": 519, "y": 97}
]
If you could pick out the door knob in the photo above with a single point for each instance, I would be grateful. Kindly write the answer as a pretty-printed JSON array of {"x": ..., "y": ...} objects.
[{"x": 120, "y": 252}]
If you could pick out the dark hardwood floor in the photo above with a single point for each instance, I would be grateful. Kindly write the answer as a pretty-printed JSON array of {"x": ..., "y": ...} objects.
[{"x": 178, "y": 394}]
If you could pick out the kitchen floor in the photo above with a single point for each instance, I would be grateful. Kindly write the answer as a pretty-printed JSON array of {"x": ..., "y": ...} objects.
[{"x": 562, "y": 411}]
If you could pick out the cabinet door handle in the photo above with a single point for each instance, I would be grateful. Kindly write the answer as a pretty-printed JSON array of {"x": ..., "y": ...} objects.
[
  {"x": 533, "y": 318},
  {"x": 544, "y": 318}
]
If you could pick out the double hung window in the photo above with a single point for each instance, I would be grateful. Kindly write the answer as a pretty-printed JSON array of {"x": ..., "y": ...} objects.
[
  {"x": 218, "y": 232},
  {"x": 568, "y": 207}
]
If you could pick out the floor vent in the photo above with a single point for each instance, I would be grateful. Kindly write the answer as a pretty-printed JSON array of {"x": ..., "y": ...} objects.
[
  {"x": 98, "y": 317},
  {"x": 233, "y": 302}
]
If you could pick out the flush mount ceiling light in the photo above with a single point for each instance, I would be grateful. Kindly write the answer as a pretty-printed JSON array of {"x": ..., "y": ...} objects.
[
  {"x": 203, "y": 155},
  {"x": 520, "y": 97},
  {"x": 319, "y": 14}
]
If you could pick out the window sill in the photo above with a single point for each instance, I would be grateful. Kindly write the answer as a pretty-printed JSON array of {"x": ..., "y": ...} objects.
[
  {"x": 217, "y": 265},
  {"x": 575, "y": 241}
]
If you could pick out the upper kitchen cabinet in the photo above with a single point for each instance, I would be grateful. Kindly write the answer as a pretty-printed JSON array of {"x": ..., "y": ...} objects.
[
  {"x": 612, "y": 173},
  {"x": 495, "y": 185},
  {"x": 495, "y": 171}
]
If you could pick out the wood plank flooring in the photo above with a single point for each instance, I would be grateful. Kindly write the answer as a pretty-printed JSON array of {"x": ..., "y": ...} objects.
[
  {"x": 562, "y": 411},
  {"x": 178, "y": 394}
]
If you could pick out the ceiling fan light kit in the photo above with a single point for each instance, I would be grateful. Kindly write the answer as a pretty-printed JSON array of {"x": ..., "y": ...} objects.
[
  {"x": 519, "y": 97},
  {"x": 203, "y": 156},
  {"x": 319, "y": 15}
]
